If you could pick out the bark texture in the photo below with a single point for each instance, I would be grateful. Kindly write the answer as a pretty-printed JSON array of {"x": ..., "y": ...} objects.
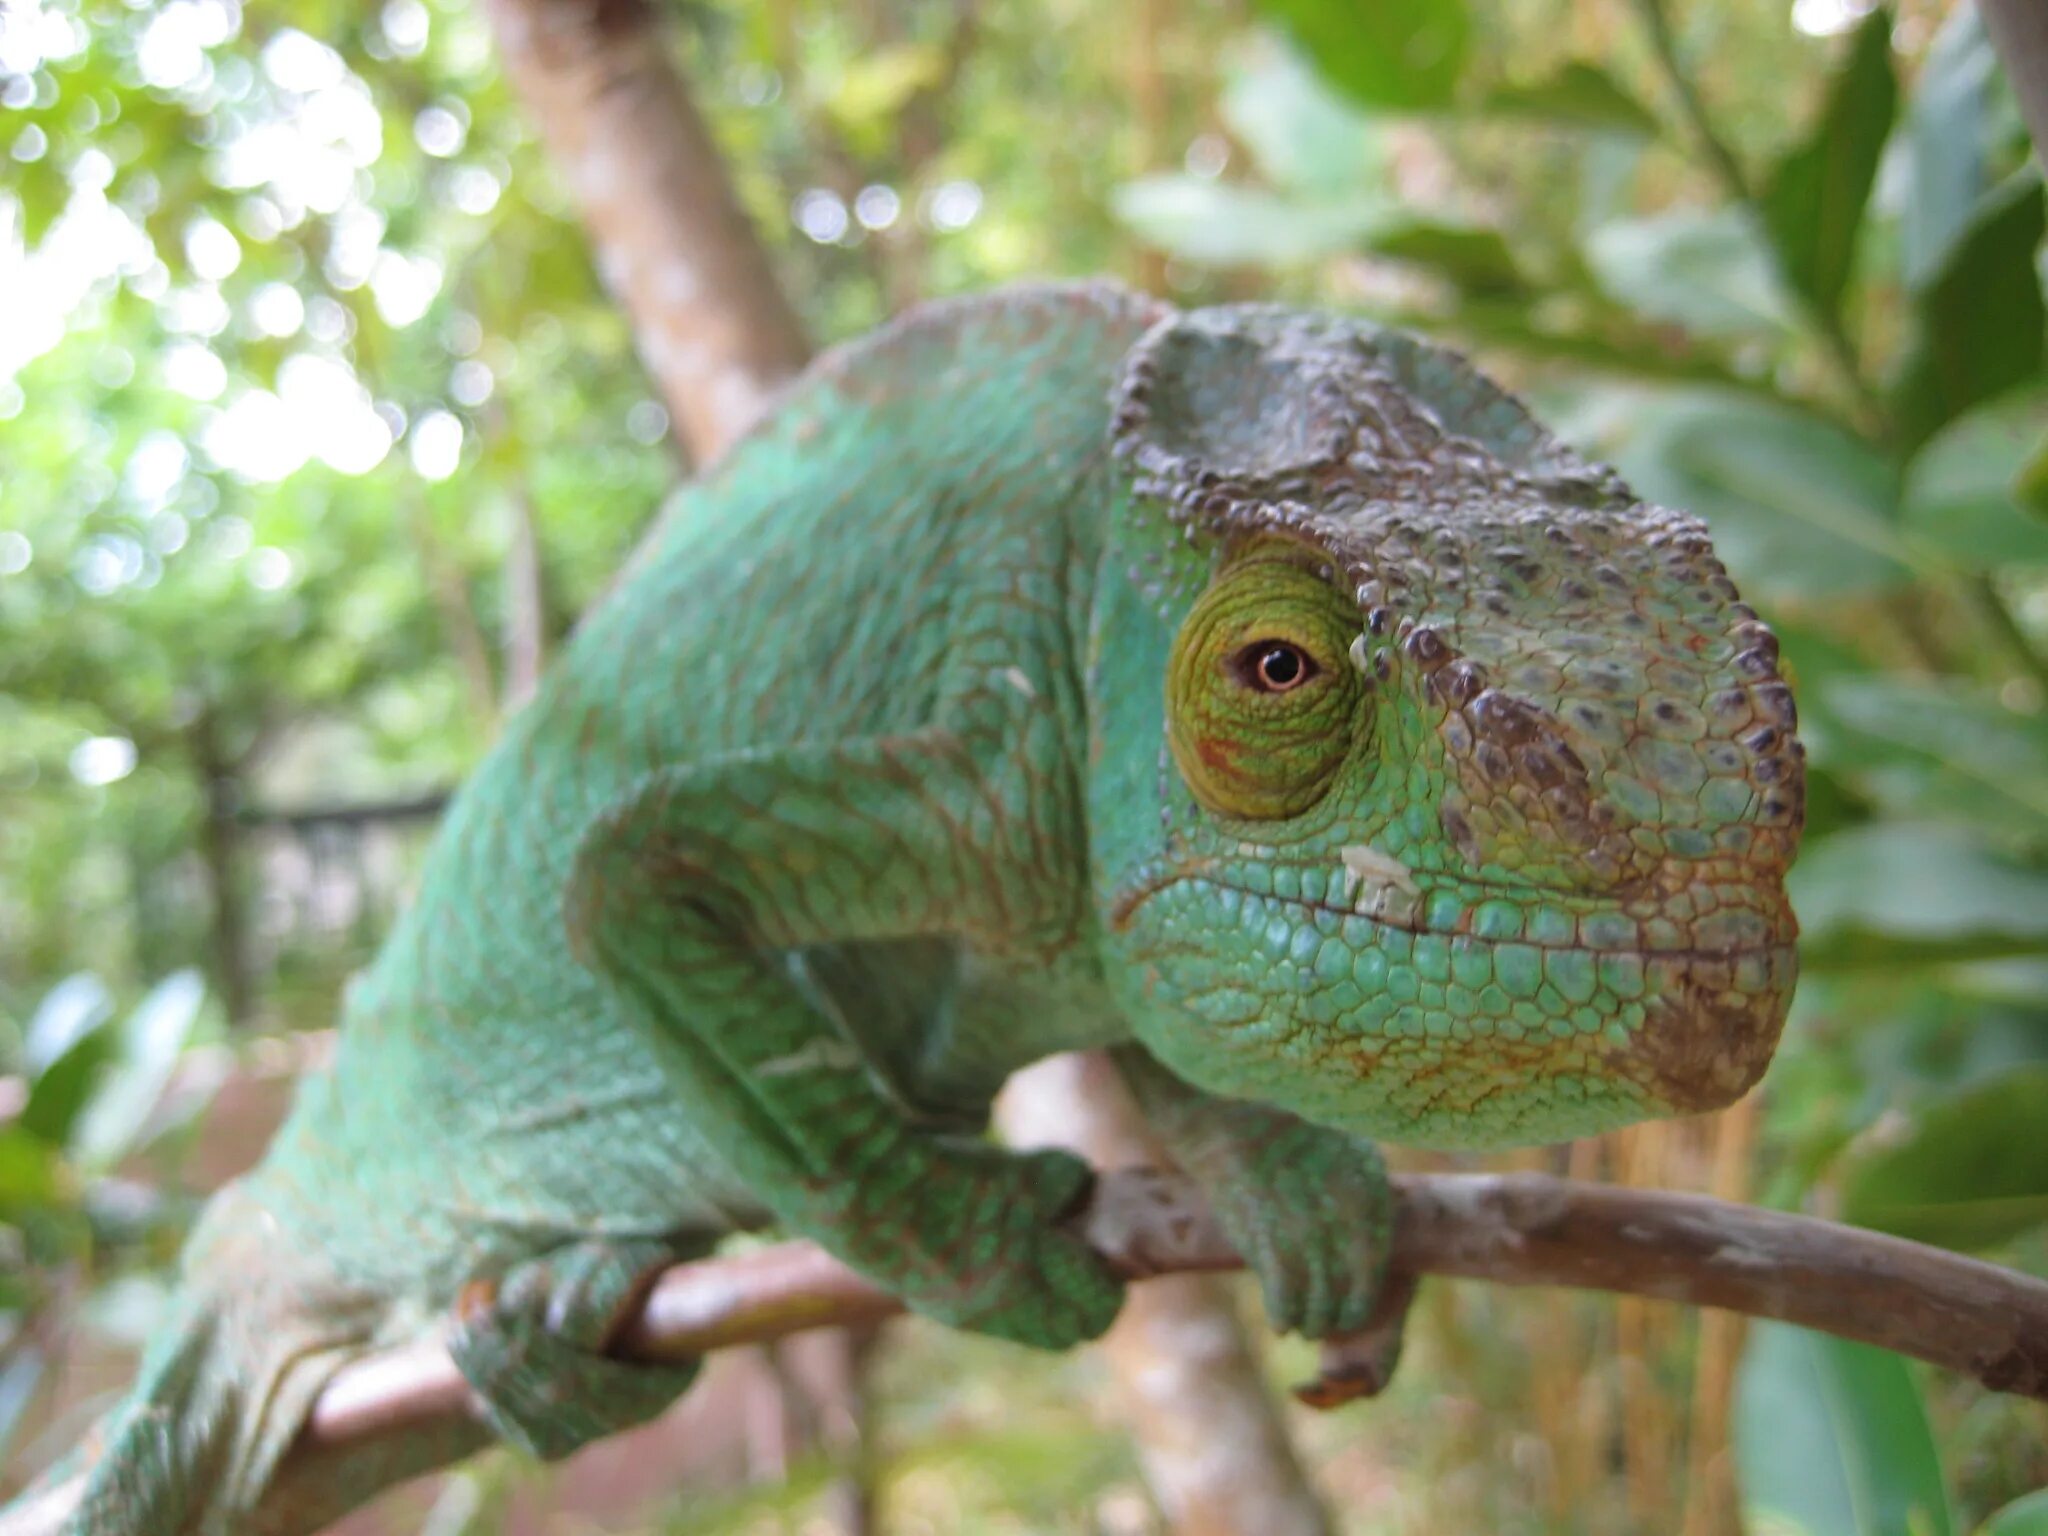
[
  {"x": 1513, "y": 1229},
  {"x": 714, "y": 326}
]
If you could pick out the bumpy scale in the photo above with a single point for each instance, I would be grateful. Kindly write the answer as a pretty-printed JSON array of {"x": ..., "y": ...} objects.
[{"x": 1259, "y": 693}]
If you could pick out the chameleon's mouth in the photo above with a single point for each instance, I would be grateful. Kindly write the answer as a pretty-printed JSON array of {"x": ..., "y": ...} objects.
[
  {"x": 1456, "y": 1034},
  {"x": 1756, "y": 924}
]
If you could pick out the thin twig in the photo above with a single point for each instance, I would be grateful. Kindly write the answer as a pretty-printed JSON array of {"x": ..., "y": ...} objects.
[
  {"x": 1998, "y": 616},
  {"x": 1736, "y": 186},
  {"x": 1514, "y": 1229},
  {"x": 1727, "y": 169}
]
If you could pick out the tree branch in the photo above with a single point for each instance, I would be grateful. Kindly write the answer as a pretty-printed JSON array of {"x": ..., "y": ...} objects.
[
  {"x": 1514, "y": 1229},
  {"x": 717, "y": 332},
  {"x": 1737, "y": 187},
  {"x": 2019, "y": 32}
]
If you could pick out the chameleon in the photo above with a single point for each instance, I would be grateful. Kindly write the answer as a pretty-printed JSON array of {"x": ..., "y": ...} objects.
[{"x": 1256, "y": 693}]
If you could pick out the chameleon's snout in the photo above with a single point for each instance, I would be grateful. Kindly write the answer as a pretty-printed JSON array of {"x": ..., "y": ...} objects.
[
  {"x": 1711, "y": 1025},
  {"x": 1658, "y": 779}
]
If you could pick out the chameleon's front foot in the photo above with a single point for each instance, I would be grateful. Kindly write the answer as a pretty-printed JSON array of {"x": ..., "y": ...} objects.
[
  {"x": 983, "y": 1243},
  {"x": 1310, "y": 1210}
]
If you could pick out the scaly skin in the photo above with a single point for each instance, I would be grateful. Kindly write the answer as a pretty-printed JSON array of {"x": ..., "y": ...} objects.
[{"x": 1261, "y": 694}]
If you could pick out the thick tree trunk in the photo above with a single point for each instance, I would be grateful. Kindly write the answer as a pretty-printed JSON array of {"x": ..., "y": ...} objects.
[{"x": 715, "y": 328}]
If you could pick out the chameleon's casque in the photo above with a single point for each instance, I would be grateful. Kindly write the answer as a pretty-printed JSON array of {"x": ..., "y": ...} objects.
[{"x": 1255, "y": 693}]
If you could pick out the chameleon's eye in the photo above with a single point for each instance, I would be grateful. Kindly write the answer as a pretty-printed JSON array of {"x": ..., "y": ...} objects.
[
  {"x": 1274, "y": 666},
  {"x": 1262, "y": 703}
]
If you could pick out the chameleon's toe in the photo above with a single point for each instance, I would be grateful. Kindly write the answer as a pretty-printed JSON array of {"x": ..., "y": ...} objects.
[
  {"x": 1350, "y": 1366},
  {"x": 1311, "y": 1211},
  {"x": 531, "y": 1344},
  {"x": 1028, "y": 1276}
]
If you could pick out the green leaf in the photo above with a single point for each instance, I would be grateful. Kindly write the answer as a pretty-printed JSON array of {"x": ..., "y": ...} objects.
[
  {"x": 69, "y": 1011},
  {"x": 2030, "y": 484},
  {"x": 64, "y": 1048},
  {"x": 1579, "y": 95},
  {"x": 1814, "y": 198},
  {"x": 1478, "y": 260},
  {"x": 1831, "y": 1439},
  {"x": 1949, "y": 717},
  {"x": 1218, "y": 224},
  {"x": 1890, "y": 891},
  {"x": 1705, "y": 271},
  {"x": 1936, "y": 748},
  {"x": 1302, "y": 137},
  {"x": 1595, "y": 338},
  {"x": 21, "y": 1371},
  {"x": 1402, "y": 55},
  {"x": 30, "y": 1176},
  {"x": 1799, "y": 507},
  {"x": 1961, "y": 493},
  {"x": 147, "y": 1052},
  {"x": 1979, "y": 318},
  {"x": 1946, "y": 131},
  {"x": 2026, "y": 1516},
  {"x": 1971, "y": 1173}
]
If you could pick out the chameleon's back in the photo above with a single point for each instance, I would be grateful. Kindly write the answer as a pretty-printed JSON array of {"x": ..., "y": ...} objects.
[
  {"x": 485, "y": 1105},
  {"x": 809, "y": 589}
]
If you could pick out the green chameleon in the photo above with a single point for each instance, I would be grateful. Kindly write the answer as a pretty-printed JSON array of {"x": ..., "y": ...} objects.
[{"x": 1257, "y": 692}]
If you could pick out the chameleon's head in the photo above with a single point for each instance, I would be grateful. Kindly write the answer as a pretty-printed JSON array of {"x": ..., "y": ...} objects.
[{"x": 1464, "y": 812}]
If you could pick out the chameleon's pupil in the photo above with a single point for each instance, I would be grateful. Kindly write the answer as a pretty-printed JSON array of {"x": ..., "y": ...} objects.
[{"x": 1281, "y": 667}]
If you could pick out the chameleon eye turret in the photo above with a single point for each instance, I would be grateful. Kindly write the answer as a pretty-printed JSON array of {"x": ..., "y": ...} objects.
[
  {"x": 1264, "y": 704},
  {"x": 1513, "y": 859}
]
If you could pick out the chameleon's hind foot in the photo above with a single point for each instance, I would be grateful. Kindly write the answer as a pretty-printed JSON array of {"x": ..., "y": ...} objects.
[{"x": 532, "y": 1345}]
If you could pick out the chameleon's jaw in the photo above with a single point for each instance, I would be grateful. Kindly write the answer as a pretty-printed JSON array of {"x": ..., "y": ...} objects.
[
  {"x": 1711, "y": 1027},
  {"x": 1447, "y": 1038}
]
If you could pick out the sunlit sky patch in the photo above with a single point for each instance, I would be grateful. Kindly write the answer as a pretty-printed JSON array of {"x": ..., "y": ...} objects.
[
  {"x": 319, "y": 410},
  {"x": 1824, "y": 18},
  {"x": 101, "y": 760},
  {"x": 307, "y": 157}
]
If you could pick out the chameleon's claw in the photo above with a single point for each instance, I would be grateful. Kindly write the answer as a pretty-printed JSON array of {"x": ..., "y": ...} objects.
[
  {"x": 475, "y": 1302},
  {"x": 1358, "y": 1365}
]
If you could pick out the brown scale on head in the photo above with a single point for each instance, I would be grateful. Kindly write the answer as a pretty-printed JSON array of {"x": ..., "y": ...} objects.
[{"x": 1611, "y": 717}]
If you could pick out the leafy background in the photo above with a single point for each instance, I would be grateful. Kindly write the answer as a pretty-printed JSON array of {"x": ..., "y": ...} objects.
[{"x": 317, "y": 426}]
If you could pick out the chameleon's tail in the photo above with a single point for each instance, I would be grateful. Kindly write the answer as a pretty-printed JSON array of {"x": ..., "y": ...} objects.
[
  {"x": 148, "y": 1464},
  {"x": 223, "y": 1389}
]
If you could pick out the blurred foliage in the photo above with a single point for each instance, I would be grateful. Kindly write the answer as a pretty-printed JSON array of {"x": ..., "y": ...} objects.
[{"x": 311, "y": 404}]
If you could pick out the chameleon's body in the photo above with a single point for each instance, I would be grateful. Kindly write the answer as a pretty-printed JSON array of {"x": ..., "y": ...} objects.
[{"x": 1048, "y": 671}]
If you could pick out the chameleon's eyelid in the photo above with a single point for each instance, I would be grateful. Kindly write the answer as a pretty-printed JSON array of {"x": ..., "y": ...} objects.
[
  {"x": 1240, "y": 665},
  {"x": 1250, "y": 751}
]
